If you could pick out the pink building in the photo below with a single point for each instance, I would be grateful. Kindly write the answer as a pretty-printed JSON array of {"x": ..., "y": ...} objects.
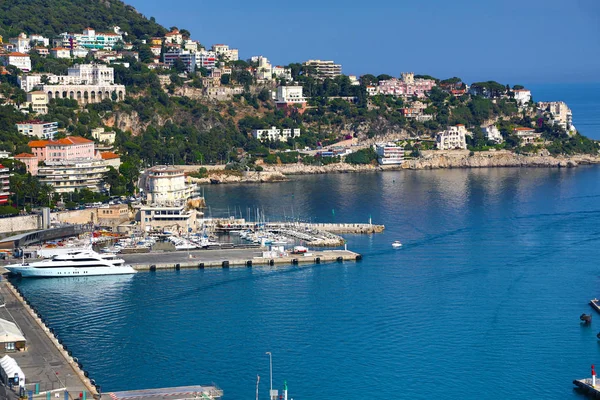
[
  {"x": 408, "y": 86},
  {"x": 30, "y": 161},
  {"x": 70, "y": 148}
]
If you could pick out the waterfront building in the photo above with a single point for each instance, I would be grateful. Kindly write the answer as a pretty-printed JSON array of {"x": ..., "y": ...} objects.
[
  {"x": 527, "y": 135},
  {"x": 31, "y": 162},
  {"x": 74, "y": 174},
  {"x": 322, "y": 69},
  {"x": 276, "y": 135},
  {"x": 558, "y": 113},
  {"x": 90, "y": 39},
  {"x": 522, "y": 96},
  {"x": 290, "y": 97},
  {"x": 452, "y": 138},
  {"x": 175, "y": 218},
  {"x": 4, "y": 185},
  {"x": 492, "y": 133},
  {"x": 38, "y": 101},
  {"x": 40, "y": 129},
  {"x": 105, "y": 137},
  {"x": 164, "y": 184},
  {"x": 389, "y": 153},
  {"x": 407, "y": 86},
  {"x": 223, "y": 50},
  {"x": 19, "y": 60}
]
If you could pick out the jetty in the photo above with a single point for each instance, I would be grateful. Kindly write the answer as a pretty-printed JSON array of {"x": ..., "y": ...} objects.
[
  {"x": 595, "y": 303},
  {"x": 48, "y": 366},
  {"x": 587, "y": 387},
  {"x": 200, "y": 259},
  {"x": 174, "y": 393}
]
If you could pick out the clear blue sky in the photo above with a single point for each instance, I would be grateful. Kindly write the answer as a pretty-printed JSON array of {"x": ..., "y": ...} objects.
[{"x": 510, "y": 41}]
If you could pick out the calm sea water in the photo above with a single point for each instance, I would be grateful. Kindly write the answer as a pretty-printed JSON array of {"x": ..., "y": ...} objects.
[{"x": 483, "y": 300}]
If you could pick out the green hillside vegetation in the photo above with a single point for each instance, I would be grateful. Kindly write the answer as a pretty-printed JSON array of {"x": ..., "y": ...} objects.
[{"x": 52, "y": 17}]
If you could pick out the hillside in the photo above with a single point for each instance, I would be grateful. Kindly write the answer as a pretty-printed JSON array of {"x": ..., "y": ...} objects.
[{"x": 52, "y": 17}]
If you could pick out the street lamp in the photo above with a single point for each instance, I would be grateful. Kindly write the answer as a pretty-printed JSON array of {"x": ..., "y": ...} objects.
[{"x": 270, "y": 368}]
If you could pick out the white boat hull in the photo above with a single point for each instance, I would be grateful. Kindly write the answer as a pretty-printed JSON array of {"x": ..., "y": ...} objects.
[{"x": 27, "y": 271}]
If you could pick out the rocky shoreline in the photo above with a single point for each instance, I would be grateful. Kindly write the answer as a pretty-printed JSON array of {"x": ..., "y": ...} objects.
[{"x": 429, "y": 160}]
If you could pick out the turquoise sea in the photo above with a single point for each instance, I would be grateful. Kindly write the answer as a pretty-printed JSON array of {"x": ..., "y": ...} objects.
[{"x": 482, "y": 301}]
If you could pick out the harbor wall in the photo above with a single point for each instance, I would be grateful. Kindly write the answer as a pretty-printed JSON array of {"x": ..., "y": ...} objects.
[{"x": 20, "y": 224}]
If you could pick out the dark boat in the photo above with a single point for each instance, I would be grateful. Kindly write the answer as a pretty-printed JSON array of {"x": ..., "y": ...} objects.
[{"x": 215, "y": 181}]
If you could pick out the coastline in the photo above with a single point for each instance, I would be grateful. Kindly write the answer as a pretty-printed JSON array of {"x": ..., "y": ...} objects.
[{"x": 430, "y": 160}]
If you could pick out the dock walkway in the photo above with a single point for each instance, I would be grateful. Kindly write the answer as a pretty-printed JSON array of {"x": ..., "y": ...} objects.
[
  {"x": 230, "y": 258},
  {"x": 42, "y": 362},
  {"x": 175, "y": 393}
]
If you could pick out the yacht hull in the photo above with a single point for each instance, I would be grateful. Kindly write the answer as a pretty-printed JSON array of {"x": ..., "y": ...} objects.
[{"x": 32, "y": 272}]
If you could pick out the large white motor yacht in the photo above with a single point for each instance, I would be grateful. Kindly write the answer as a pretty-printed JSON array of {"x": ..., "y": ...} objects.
[{"x": 80, "y": 263}]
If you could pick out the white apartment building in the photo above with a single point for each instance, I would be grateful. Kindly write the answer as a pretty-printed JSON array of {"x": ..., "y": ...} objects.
[
  {"x": 227, "y": 53},
  {"x": 559, "y": 113},
  {"x": 192, "y": 60},
  {"x": 527, "y": 135},
  {"x": 165, "y": 184},
  {"x": 452, "y": 138},
  {"x": 522, "y": 96},
  {"x": 290, "y": 95},
  {"x": 40, "y": 129},
  {"x": 389, "y": 153},
  {"x": 106, "y": 137},
  {"x": 264, "y": 70},
  {"x": 60, "y": 52},
  {"x": 492, "y": 133},
  {"x": 281, "y": 72},
  {"x": 66, "y": 176},
  {"x": 90, "y": 39},
  {"x": 38, "y": 101},
  {"x": 19, "y": 60},
  {"x": 275, "y": 135},
  {"x": 324, "y": 69}
]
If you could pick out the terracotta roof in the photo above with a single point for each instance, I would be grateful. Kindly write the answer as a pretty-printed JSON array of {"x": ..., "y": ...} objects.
[
  {"x": 460, "y": 125},
  {"x": 25, "y": 155},
  {"x": 59, "y": 48},
  {"x": 16, "y": 54},
  {"x": 109, "y": 155},
  {"x": 38, "y": 143}
]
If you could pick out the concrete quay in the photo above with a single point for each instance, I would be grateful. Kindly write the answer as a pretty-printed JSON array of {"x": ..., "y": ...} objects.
[
  {"x": 45, "y": 361},
  {"x": 231, "y": 258}
]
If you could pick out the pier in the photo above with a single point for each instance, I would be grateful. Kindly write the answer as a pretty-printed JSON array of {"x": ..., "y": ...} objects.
[
  {"x": 49, "y": 369},
  {"x": 175, "y": 393},
  {"x": 586, "y": 386},
  {"x": 231, "y": 258}
]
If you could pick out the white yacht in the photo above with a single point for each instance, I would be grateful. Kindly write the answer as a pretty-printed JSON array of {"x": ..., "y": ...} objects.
[{"x": 81, "y": 263}]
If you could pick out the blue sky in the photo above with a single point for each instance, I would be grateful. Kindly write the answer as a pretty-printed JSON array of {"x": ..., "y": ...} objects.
[{"x": 511, "y": 41}]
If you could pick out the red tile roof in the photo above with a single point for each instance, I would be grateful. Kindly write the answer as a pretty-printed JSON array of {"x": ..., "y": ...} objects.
[
  {"x": 109, "y": 155},
  {"x": 25, "y": 155},
  {"x": 71, "y": 140},
  {"x": 38, "y": 143},
  {"x": 16, "y": 54}
]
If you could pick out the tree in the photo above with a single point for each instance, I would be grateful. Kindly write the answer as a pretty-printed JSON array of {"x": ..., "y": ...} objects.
[
  {"x": 225, "y": 79},
  {"x": 179, "y": 66}
]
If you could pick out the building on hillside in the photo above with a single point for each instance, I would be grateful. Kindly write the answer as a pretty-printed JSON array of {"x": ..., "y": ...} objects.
[
  {"x": 188, "y": 58},
  {"x": 276, "y": 135},
  {"x": 174, "y": 37},
  {"x": 80, "y": 52},
  {"x": 22, "y": 43},
  {"x": 192, "y": 45},
  {"x": 60, "y": 52},
  {"x": 31, "y": 162},
  {"x": 156, "y": 50},
  {"x": 165, "y": 184},
  {"x": 42, "y": 51},
  {"x": 452, "y": 138},
  {"x": 69, "y": 148},
  {"x": 527, "y": 135},
  {"x": 19, "y": 60},
  {"x": 223, "y": 50},
  {"x": 39, "y": 129},
  {"x": 105, "y": 137},
  {"x": 75, "y": 174},
  {"x": 522, "y": 96},
  {"x": 4, "y": 185},
  {"x": 558, "y": 113},
  {"x": 282, "y": 73},
  {"x": 5, "y": 154},
  {"x": 111, "y": 216},
  {"x": 111, "y": 159},
  {"x": 389, "y": 153},
  {"x": 290, "y": 97},
  {"x": 323, "y": 69},
  {"x": 223, "y": 93},
  {"x": 264, "y": 70},
  {"x": 492, "y": 133},
  {"x": 156, "y": 41},
  {"x": 407, "y": 86},
  {"x": 38, "y": 101},
  {"x": 90, "y": 39},
  {"x": 372, "y": 90}
]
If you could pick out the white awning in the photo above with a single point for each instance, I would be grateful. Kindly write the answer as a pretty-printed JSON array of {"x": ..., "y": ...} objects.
[
  {"x": 10, "y": 368},
  {"x": 10, "y": 332}
]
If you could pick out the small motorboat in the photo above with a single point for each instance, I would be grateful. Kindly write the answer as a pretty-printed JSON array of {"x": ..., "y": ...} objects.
[{"x": 396, "y": 244}]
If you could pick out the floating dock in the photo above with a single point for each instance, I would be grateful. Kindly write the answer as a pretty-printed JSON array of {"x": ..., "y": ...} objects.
[
  {"x": 175, "y": 393},
  {"x": 231, "y": 258}
]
